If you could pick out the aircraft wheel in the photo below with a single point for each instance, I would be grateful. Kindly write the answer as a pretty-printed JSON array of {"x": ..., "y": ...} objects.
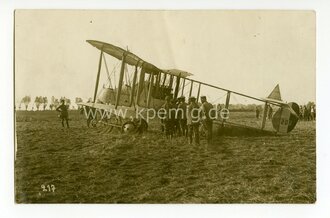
[
  {"x": 128, "y": 127},
  {"x": 93, "y": 123}
]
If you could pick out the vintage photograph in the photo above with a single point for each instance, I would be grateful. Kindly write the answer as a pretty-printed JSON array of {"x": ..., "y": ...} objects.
[{"x": 161, "y": 106}]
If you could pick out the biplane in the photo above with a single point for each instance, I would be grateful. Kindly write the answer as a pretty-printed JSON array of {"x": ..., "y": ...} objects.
[{"x": 135, "y": 84}]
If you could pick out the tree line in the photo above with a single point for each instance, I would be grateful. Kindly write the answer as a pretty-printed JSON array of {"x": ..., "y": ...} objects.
[{"x": 42, "y": 103}]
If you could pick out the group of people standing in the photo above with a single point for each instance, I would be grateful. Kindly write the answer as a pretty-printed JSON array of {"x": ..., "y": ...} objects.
[
  {"x": 307, "y": 112},
  {"x": 185, "y": 119}
]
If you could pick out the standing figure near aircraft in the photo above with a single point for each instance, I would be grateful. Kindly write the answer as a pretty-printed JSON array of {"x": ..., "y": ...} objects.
[
  {"x": 207, "y": 109},
  {"x": 175, "y": 120},
  {"x": 301, "y": 112},
  {"x": 313, "y": 112},
  {"x": 182, "y": 116},
  {"x": 306, "y": 113},
  {"x": 193, "y": 118},
  {"x": 63, "y": 109},
  {"x": 168, "y": 120},
  {"x": 257, "y": 112}
]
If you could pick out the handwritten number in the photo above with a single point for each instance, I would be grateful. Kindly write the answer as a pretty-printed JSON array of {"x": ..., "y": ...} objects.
[{"x": 48, "y": 188}]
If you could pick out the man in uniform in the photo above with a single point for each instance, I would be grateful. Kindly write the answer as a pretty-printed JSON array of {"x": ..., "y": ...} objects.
[
  {"x": 257, "y": 112},
  {"x": 193, "y": 118},
  {"x": 182, "y": 116},
  {"x": 168, "y": 117},
  {"x": 63, "y": 109},
  {"x": 207, "y": 117},
  {"x": 174, "y": 118}
]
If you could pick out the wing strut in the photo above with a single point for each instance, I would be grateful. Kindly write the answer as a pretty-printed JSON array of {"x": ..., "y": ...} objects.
[
  {"x": 140, "y": 85},
  {"x": 199, "y": 90},
  {"x": 183, "y": 85},
  {"x": 191, "y": 87},
  {"x": 227, "y": 100},
  {"x": 98, "y": 76},
  {"x": 264, "y": 116},
  {"x": 151, "y": 81},
  {"x": 177, "y": 86},
  {"x": 133, "y": 86},
  {"x": 121, "y": 77}
]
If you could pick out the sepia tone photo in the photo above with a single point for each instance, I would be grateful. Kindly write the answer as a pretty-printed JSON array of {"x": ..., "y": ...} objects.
[{"x": 186, "y": 106}]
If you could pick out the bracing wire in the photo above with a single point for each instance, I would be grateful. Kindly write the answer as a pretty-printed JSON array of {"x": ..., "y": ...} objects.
[
  {"x": 221, "y": 97},
  {"x": 186, "y": 93},
  {"x": 106, "y": 67},
  {"x": 128, "y": 82},
  {"x": 235, "y": 99}
]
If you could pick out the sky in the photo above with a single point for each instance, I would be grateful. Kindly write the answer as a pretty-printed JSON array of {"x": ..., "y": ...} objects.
[{"x": 245, "y": 51}]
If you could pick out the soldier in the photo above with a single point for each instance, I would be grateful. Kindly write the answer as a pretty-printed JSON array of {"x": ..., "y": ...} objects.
[
  {"x": 182, "y": 116},
  {"x": 306, "y": 113},
  {"x": 168, "y": 118},
  {"x": 193, "y": 118},
  {"x": 174, "y": 118},
  {"x": 301, "y": 113},
  {"x": 257, "y": 112},
  {"x": 63, "y": 109},
  {"x": 206, "y": 109},
  {"x": 313, "y": 112}
]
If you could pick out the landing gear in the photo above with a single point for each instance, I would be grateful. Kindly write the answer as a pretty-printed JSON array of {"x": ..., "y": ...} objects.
[
  {"x": 135, "y": 126},
  {"x": 128, "y": 127},
  {"x": 93, "y": 123}
]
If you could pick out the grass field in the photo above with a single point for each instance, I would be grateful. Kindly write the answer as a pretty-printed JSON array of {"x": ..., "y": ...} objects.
[{"x": 91, "y": 166}]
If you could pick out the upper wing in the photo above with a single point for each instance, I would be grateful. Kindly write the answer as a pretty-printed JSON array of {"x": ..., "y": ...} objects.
[
  {"x": 133, "y": 59},
  {"x": 176, "y": 72},
  {"x": 118, "y": 53}
]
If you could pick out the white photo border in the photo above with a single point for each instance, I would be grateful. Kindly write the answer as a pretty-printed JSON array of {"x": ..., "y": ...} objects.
[{"x": 7, "y": 203}]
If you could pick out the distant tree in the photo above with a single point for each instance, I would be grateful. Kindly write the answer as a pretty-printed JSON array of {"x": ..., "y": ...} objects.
[
  {"x": 52, "y": 103},
  {"x": 38, "y": 101},
  {"x": 45, "y": 102},
  {"x": 78, "y": 100},
  {"x": 68, "y": 102},
  {"x": 26, "y": 101},
  {"x": 56, "y": 103}
]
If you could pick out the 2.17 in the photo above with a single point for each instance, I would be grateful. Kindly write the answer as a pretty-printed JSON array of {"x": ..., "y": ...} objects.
[{"x": 48, "y": 188}]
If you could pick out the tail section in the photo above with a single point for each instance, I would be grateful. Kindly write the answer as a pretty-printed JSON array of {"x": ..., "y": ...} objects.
[
  {"x": 286, "y": 117},
  {"x": 275, "y": 94}
]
